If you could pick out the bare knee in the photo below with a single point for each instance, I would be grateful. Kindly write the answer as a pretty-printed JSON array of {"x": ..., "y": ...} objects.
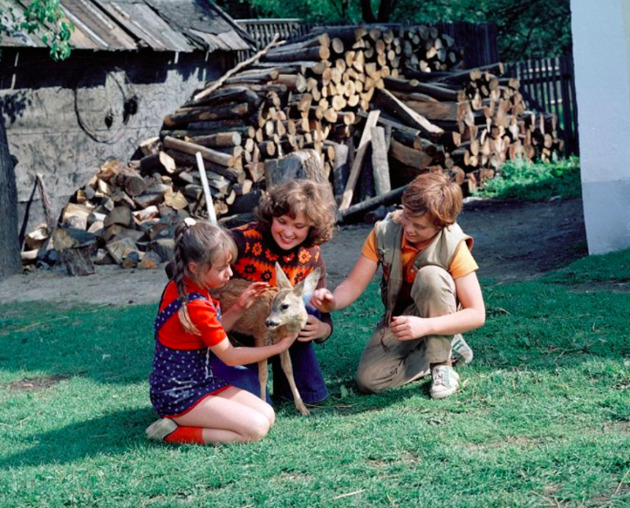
[
  {"x": 270, "y": 414},
  {"x": 258, "y": 427}
]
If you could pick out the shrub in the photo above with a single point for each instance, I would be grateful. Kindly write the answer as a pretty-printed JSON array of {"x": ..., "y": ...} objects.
[{"x": 523, "y": 180}]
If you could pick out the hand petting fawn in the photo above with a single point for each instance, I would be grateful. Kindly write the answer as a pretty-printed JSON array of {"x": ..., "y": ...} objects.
[{"x": 278, "y": 312}]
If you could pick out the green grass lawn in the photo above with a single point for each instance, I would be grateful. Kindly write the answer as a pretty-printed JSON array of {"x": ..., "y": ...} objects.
[{"x": 542, "y": 419}]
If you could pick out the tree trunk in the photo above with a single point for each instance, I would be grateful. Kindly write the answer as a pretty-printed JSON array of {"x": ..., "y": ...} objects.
[
  {"x": 384, "y": 11},
  {"x": 10, "y": 262},
  {"x": 366, "y": 11}
]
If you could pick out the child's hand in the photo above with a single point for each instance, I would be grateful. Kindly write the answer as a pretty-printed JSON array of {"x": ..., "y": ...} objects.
[
  {"x": 323, "y": 300},
  {"x": 248, "y": 297},
  {"x": 408, "y": 327},
  {"x": 314, "y": 329},
  {"x": 286, "y": 342}
]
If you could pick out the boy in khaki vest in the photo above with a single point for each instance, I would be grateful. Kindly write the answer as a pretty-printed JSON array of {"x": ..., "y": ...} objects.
[{"x": 429, "y": 288}]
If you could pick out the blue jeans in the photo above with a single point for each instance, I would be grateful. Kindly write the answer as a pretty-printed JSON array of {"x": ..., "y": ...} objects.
[{"x": 308, "y": 378}]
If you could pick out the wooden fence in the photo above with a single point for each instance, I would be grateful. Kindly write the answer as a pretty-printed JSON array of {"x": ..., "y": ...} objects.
[{"x": 548, "y": 85}]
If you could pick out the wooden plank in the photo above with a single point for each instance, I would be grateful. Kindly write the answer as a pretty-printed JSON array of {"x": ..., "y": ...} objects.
[
  {"x": 415, "y": 158},
  {"x": 207, "y": 153},
  {"x": 380, "y": 165},
  {"x": 371, "y": 121},
  {"x": 395, "y": 107}
]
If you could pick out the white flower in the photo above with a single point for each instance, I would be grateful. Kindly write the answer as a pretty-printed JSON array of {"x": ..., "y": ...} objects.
[{"x": 189, "y": 221}]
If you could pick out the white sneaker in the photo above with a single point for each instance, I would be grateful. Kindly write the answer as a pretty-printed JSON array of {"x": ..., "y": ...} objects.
[
  {"x": 445, "y": 382},
  {"x": 161, "y": 428},
  {"x": 461, "y": 352}
]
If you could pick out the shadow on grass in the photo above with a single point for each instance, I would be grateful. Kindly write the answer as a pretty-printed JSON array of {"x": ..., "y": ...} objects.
[
  {"x": 107, "y": 344},
  {"x": 537, "y": 325},
  {"x": 346, "y": 399},
  {"x": 111, "y": 434}
]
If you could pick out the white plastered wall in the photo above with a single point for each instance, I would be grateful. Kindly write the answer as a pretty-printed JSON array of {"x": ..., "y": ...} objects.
[{"x": 601, "y": 50}]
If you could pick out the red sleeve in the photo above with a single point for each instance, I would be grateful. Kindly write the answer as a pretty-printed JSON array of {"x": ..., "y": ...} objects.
[{"x": 204, "y": 317}]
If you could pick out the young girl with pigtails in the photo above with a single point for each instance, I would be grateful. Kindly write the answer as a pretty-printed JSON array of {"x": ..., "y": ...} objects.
[{"x": 194, "y": 405}]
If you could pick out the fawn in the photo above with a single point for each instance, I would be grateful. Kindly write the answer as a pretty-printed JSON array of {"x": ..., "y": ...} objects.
[{"x": 278, "y": 312}]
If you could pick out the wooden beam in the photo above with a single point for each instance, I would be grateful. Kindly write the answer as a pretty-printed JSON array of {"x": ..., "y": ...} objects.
[
  {"x": 380, "y": 165},
  {"x": 371, "y": 121},
  {"x": 369, "y": 204}
]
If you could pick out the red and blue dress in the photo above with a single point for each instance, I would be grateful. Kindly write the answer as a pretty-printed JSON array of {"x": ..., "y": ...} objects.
[{"x": 182, "y": 365}]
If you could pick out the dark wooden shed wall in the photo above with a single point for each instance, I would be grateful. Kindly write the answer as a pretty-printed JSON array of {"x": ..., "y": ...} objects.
[{"x": 64, "y": 120}]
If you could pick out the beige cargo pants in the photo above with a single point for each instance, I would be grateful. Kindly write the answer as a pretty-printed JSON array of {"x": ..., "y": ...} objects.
[{"x": 387, "y": 362}]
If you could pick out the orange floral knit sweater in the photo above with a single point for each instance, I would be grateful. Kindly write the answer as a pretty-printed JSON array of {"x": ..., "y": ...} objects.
[{"x": 258, "y": 254}]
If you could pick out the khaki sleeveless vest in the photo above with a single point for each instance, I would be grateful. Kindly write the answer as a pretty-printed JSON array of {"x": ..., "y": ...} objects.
[{"x": 439, "y": 252}]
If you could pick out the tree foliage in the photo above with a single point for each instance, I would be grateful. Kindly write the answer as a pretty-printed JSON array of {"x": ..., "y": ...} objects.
[
  {"x": 44, "y": 18},
  {"x": 526, "y": 28}
]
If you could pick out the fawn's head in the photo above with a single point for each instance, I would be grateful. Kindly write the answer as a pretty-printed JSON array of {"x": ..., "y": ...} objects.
[{"x": 288, "y": 306}]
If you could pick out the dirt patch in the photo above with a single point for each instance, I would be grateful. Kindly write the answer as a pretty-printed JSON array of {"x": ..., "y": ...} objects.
[
  {"x": 522, "y": 241},
  {"x": 36, "y": 383},
  {"x": 513, "y": 241}
]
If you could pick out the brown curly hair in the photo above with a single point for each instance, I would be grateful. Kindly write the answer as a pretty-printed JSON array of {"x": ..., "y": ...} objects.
[
  {"x": 435, "y": 195},
  {"x": 314, "y": 199}
]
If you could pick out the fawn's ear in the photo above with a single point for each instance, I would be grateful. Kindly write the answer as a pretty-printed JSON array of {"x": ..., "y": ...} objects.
[
  {"x": 281, "y": 279},
  {"x": 309, "y": 284}
]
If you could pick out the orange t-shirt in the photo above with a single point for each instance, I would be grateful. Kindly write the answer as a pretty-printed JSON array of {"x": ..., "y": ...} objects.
[{"x": 463, "y": 262}]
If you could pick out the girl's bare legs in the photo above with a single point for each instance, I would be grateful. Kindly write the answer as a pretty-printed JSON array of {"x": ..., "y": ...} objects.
[{"x": 233, "y": 415}]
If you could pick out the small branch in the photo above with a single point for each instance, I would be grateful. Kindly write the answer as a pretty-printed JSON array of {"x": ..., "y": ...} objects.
[
  {"x": 39, "y": 323},
  {"x": 234, "y": 70},
  {"x": 618, "y": 489},
  {"x": 349, "y": 494}
]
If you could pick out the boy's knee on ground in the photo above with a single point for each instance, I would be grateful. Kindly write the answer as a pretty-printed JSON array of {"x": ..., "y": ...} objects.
[
  {"x": 376, "y": 377},
  {"x": 365, "y": 381}
]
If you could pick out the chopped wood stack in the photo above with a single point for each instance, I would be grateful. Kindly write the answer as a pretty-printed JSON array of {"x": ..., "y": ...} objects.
[
  {"x": 310, "y": 94},
  {"x": 467, "y": 123},
  {"x": 369, "y": 108}
]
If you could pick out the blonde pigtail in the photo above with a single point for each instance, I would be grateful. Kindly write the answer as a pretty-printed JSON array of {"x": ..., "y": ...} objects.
[
  {"x": 200, "y": 243},
  {"x": 180, "y": 271}
]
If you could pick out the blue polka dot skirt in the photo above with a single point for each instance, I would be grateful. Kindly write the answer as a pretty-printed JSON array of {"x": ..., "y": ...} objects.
[{"x": 180, "y": 378}]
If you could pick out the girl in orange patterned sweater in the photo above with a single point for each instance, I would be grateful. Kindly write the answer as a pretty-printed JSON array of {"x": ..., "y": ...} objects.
[{"x": 294, "y": 219}]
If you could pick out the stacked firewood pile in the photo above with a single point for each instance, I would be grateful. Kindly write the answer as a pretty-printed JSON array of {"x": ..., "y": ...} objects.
[{"x": 364, "y": 108}]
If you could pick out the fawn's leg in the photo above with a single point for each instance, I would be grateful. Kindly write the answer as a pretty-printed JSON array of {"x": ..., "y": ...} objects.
[
  {"x": 287, "y": 368},
  {"x": 263, "y": 375}
]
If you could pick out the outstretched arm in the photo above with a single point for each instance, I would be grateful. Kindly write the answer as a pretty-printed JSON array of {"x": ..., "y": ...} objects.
[
  {"x": 349, "y": 290},
  {"x": 233, "y": 356}
]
